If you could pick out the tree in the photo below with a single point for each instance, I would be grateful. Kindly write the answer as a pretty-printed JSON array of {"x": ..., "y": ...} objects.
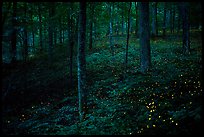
[
  {"x": 164, "y": 20},
  {"x": 50, "y": 30},
  {"x": 122, "y": 27},
  {"x": 54, "y": 25},
  {"x": 91, "y": 25},
  {"x": 154, "y": 19},
  {"x": 71, "y": 39},
  {"x": 82, "y": 62},
  {"x": 173, "y": 18},
  {"x": 117, "y": 20},
  {"x": 60, "y": 29},
  {"x": 13, "y": 37},
  {"x": 111, "y": 30},
  {"x": 33, "y": 28},
  {"x": 136, "y": 20},
  {"x": 126, "y": 57},
  {"x": 144, "y": 36},
  {"x": 40, "y": 26},
  {"x": 185, "y": 24},
  {"x": 25, "y": 33}
]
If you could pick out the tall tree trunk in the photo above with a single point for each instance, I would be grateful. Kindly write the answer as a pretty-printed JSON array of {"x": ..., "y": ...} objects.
[
  {"x": 122, "y": 20},
  {"x": 157, "y": 32},
  {"x": 117, "y": 23},
  {"x": 131, "y": 28},
  {"x": 173, "y": 19},
  {"x": 144, "y": 36},
  {"x": 185, "y": 24},
  {"x": 40, "y": 26},
  {"x": 164, "y": 20},
  {"x": 60, "y": 30},
  {"x": 71, "y": 40},
  {"x": 111, "y": 30},
  {"x": 25, "y": 33},
  {"x": 154, "y": 16},
  {"x": 13, "y": 38},
  {"x": 91, "y": 25},
  {"x": 50, "y": 30},
  {"x": 126, "y": 57},
  {"x": 54, "y": 22},
  {"x": 82, "y": 93},
  {"x": 136, "y": 21},
  {"x": 33, "y": 34}
]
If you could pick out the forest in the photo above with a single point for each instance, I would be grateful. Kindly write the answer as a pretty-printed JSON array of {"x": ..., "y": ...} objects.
[{"x": 101, "y": 68}]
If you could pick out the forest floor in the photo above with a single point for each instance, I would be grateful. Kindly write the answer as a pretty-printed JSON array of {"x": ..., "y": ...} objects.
[{"x": 167, "y": 100}]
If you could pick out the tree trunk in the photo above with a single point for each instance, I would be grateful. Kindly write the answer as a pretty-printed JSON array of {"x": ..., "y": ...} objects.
[
  {"x": 164, "y": 20},
  {"x": 60, "y": 29},
  {"x": 157, "y": 32},
  {"x": 50, "y": 30},
  {"x": 130, "y": 27},
  {"x": 117, "y": 23},
  {"x": 40, "y": 26},
  {"x": 33, "y": 34},
  {"x": 71, "y": 41},
  {"x": 173, "y": 18},
  {"x": 91, "y": 25},
  {"x": 82, "y": 62},
  {"x": 185, "y": 24},
  {"x": 13, "y": 38},
  {"x": 154, "y": 16},
  {"x": 126, "y": 57},
  {"x": 111, "y": 30},
  {"x": 136, "y": 21},
  {"x": 144, "y": 36},
  {"x": 25, "y": 33},
  {"x": 63, "y": 35},
  {"x": 122, "y": 20},
  {"x": 54, "y": 22}
]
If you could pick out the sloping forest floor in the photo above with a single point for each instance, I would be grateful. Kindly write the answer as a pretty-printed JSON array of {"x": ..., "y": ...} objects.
[{"x": 167, "y": 100}]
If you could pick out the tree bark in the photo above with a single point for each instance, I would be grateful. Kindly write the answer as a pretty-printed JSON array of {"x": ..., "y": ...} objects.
[
  {"x": 126, "y": 57},
  {"x": 136, "y": 21},
  {"x": 40, "y": 27},
  {"x": 54, "y": 22},
  {"x": 50, "y": 30},
  {"x": 185, "y": 24},
  {"x": 122, "y": 20},
  {"x": 33, "y": 34},
  {"x": 144, "y": 36},
  {"x": 173, "y": 18},
  {"x": 91, "y": 25},
  {"x": 164, "y": 20},
  {"x": 71, "y": 41},
  {"x": 25, "y": 33},
  {"x": 154, "y": 16},
  {"x": 13, "y": 38},
  {"x": 82, "y": 62},
  {"x": 60, "y": 29},
  {"x": 111, "y": 30}
]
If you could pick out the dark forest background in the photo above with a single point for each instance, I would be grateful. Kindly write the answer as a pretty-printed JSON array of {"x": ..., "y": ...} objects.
[{"x": 101, "y": 68}]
